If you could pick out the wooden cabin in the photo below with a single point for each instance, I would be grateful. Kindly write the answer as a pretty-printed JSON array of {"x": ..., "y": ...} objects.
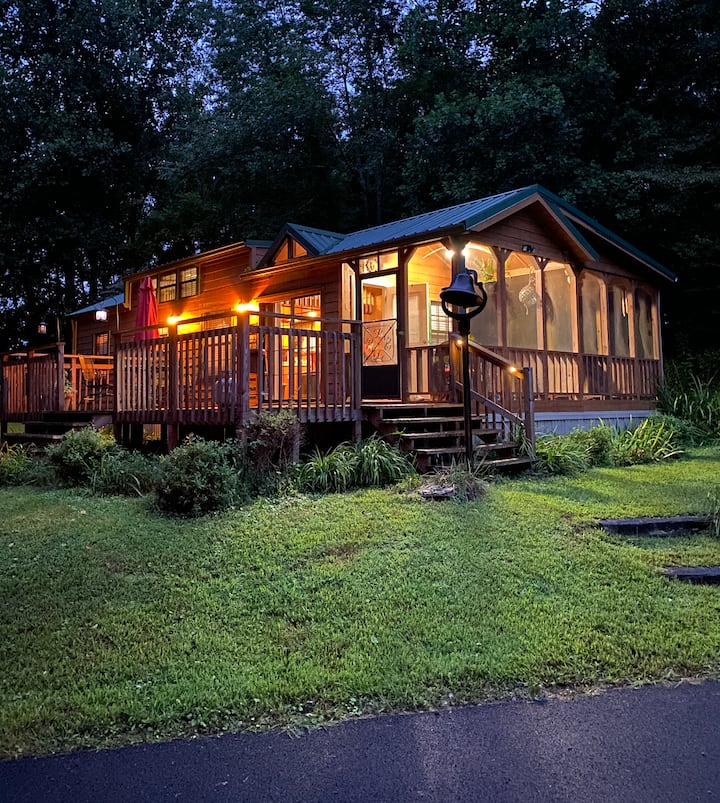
[{"x": 346, "y": 329}]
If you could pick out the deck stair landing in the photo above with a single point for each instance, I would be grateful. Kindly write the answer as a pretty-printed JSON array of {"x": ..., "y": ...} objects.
[
  {"x": 48, "y": 428},
  {"x": 435, "y": 434}
]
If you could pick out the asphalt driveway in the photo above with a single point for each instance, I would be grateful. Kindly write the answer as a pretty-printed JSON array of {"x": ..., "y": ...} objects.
[{"x": 632, "y": 745}]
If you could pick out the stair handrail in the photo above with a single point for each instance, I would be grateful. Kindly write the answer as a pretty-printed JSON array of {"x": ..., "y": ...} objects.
[{"x": 527, "y": 420}]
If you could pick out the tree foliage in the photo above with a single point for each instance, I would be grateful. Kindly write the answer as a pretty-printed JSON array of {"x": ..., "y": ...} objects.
[{"x": 137, "y": 132}]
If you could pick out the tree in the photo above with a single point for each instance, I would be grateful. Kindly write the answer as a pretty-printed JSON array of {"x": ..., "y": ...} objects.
[{"x": 87, "y": 89}]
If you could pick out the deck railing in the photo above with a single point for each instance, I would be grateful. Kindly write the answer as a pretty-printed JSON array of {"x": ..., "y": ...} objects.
[{"x": 213, "y": 372}]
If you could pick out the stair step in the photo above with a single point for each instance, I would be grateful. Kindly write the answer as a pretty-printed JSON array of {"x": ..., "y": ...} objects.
[
  {"x": 31, "y": 437},
  {"x": 435, "y": 419},
  {"x": 448, "y": 433}
]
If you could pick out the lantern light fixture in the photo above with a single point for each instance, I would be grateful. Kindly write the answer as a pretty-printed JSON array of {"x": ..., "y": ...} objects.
[
  {"x": 101, "y": 315},
  {"x": 42, "y": 328}
]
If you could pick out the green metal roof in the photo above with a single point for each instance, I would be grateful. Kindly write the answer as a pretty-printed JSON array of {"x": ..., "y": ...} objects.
[
  {"x": 316, "y": 241},
  {"x": 473, "y": 214}
]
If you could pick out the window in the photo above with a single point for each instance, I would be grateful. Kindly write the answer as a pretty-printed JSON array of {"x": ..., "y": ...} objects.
[
  {"x": 102, "y": 344},
  {"x": 188, "y": 282},
  {"x": 377, "y": 262},
  {"x": 439, "y": 323},
  {"x": 178, "y": 284},
  {"x": 167, "y": 290}
]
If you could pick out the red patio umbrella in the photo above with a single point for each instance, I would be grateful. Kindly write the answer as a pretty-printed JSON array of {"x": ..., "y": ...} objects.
[{"x": 147, "y": 310}]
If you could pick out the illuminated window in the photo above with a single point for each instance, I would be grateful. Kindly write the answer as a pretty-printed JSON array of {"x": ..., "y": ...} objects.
[
  {"x": 439, "y": 323},
  {"x": 167, "y": 287},
  {"x": 102, "y": 344},
  {"x": 377, "y": 262},
  {"x": 188, "y": 282}
]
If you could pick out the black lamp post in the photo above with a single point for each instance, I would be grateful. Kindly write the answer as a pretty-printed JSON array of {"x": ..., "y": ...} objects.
[{"x": 469, "y": 298}]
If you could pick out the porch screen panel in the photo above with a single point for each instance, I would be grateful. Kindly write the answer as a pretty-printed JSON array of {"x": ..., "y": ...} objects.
[
  {"x": 591, "y": 310},
  {"x": 644, "y": 338},
  {"x": 618, "y": 315},
  {"x": 557, "y": 307},
  {"x": 484, "y": 327},
  {"x": 522, "y": 313}
]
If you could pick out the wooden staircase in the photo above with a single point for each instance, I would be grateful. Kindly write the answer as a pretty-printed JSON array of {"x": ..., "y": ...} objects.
[
  {"x": 48, "y": 428},
  {"x": 435, "y": 434}
]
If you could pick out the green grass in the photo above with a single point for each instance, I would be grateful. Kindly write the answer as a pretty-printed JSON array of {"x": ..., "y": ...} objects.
[{"x": 117, "y": 625}]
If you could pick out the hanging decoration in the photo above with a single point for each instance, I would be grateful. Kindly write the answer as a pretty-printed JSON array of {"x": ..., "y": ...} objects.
[{"x": 528, "y": 296}]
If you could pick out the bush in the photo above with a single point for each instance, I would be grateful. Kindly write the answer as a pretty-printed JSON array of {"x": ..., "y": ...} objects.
[
  {"x": 653, "y": 439},
  {"x": 271, "y": 443},
  {"x": 78, "y": 456},
  {"x": 371, "y": 463},
  {"x": 124, "y": 473},
  {"x": 199, "y": 477}
]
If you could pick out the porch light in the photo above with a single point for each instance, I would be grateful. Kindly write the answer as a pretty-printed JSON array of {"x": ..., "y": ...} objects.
[
  {"x": 469, "y": 298},
  {"x": 42, "y": 329},
  {"x": 101, "y": 315},
  {"x": 173, "y": 319},
  {"x": 250, "y": 306}
]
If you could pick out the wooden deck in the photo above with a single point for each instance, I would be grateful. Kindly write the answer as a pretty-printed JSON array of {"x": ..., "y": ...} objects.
[{"x": 211, "y": 372}]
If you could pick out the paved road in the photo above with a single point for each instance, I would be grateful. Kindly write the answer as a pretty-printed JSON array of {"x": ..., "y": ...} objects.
[{"x": 629, "y": 745}]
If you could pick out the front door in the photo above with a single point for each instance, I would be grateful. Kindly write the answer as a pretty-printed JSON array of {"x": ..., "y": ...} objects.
[{"x": 380, "y": 363}]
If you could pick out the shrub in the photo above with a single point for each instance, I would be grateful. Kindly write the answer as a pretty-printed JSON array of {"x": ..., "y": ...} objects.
[
  {"x": 653, "y": 439},
  {"x": 124, "y": 473},
  {"x": 199, "y": 477},
  {"x": 714, "y": 500},
  {"x": 271, "y": 443},
  {"x": 78, "y": 456}
]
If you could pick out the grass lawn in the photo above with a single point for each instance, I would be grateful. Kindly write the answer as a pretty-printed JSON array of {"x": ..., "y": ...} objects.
[{"x": 117, "y": 625}]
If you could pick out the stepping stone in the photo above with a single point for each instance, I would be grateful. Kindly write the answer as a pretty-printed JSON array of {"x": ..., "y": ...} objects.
[
  {"x": 707, "y": 575},
  {"x": 672, "y": 525}
]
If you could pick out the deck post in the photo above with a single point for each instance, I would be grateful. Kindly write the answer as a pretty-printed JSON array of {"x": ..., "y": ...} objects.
[
  {"x": 529, "y": 405},
  {"x": 173, "y": 389},
  {"x": 60, "y": 367},
  {"x": 241, "y": 380}
]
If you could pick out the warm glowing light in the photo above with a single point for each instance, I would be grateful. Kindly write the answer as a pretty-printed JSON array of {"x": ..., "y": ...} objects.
[
  {"x": 250, "y": 306},
  {"x": 449, "y": 253},
  {"x": 101, "y": 315},
  {"x": 173, "y": 319},
  {"x": 465, "y": 251},
  {"x": 513, "y": 369},
  {"x": 312, "y": 313}
]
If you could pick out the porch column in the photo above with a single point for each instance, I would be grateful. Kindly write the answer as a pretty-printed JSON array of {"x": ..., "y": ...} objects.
[{"x": 402, "y": 320}]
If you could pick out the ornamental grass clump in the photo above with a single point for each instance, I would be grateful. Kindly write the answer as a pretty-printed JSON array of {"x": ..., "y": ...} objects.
[
  {"x": 561, "y": 454},
  {"x": 19, "y": 467},
  {"x": 654, "y": 439},
  {"x": 124, "y": 473},
  {"x": 372, "y": 463}
]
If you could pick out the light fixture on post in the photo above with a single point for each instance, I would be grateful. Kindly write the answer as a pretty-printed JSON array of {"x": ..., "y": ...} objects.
[
  {"x": 101, "y": 315},
  {"x": 469, "y": 299},
  {"x": 42, "y": 328}
]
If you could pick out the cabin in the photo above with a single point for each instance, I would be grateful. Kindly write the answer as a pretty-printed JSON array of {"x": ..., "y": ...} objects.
[{"x": 350, "y": 333}]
